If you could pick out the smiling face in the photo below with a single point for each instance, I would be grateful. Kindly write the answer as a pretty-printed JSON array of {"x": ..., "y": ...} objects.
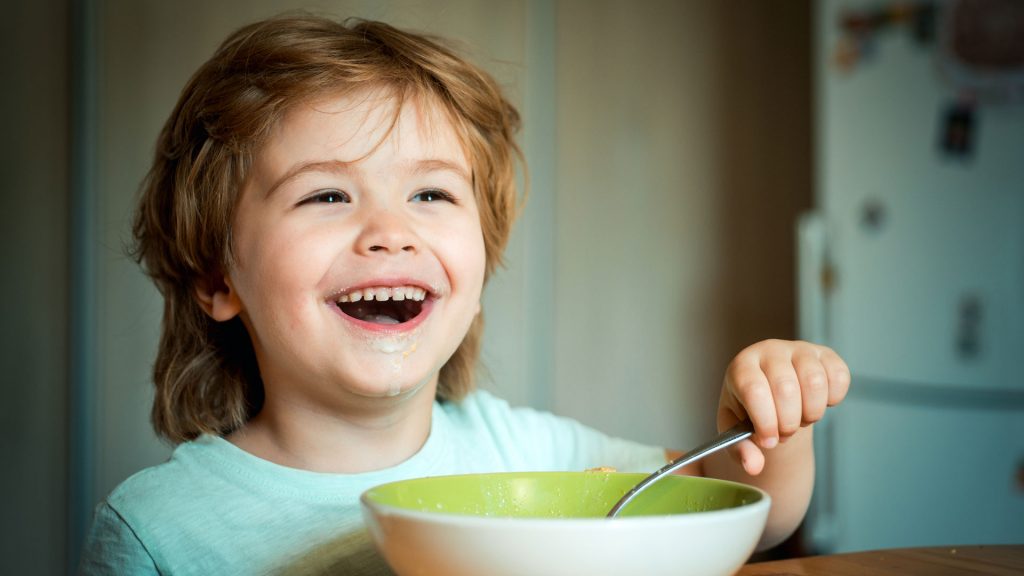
[{"x": 357, "y": 252}]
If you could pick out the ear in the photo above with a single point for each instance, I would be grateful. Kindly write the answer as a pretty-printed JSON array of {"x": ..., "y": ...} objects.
[{"x": 218, "y": 298}]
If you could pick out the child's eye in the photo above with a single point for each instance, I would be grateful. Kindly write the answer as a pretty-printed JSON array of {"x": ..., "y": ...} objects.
[
  {"x": 433, "y": 195},
  {"x": 327, "y": 197}
]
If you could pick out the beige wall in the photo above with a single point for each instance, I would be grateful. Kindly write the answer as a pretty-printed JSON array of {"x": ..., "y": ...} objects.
[
  {"x": 670, "y": 151},
  {"x": 684, "y": 155}
]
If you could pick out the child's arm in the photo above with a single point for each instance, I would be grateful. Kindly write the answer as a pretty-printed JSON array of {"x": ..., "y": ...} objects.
[{"x": 782, "y": 387}]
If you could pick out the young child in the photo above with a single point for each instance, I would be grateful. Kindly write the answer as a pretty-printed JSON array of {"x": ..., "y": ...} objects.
[{"x": 326, "y": 204}]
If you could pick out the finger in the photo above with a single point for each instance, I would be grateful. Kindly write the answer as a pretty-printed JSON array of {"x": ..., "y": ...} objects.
[
  {"x": 749, "y": 457},
  {"x": 813, "y": 384},
  {"x": 838, "y": 375},
  {"x": 751, "y": 388},
  {"x": 785, "y": 387}
]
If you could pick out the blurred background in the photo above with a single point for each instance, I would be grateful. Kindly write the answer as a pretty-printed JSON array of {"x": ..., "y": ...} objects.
[{"x": 703, "y": 175}]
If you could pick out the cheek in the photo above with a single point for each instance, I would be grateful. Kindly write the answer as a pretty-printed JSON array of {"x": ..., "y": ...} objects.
[
  {"x": 473, "y": 258},
  {"x": 277, "y": 272}
]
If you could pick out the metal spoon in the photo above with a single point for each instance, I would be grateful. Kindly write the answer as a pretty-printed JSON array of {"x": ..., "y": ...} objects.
[{"x": 731, "y": 436}]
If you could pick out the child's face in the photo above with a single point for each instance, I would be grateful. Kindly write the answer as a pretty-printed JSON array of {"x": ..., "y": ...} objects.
[{"x": 358, "y": 259}]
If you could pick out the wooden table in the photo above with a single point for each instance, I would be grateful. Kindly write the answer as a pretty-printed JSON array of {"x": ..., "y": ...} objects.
[{"x": 900, "y": 561}]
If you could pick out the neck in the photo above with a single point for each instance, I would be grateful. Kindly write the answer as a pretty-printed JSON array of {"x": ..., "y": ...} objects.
[{"x": 366, "y": 435}]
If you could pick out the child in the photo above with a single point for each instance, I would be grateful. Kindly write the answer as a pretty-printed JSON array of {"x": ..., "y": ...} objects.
[{"x": 326, "y": 204}]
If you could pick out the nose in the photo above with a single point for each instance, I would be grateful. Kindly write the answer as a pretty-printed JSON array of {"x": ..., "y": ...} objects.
[{"x": 386, "y": 232}]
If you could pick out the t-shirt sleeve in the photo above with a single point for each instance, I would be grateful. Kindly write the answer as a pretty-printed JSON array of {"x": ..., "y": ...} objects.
[
  {"x": 111, "y": 547},
  {"x": 537, "y": 440}
]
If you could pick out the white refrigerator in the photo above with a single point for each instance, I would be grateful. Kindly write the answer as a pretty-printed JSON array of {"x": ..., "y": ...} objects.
[{"x": 912, "y": 267}]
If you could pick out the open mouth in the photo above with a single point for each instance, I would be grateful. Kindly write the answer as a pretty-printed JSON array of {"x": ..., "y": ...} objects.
[{"x": 383, "y": 305}]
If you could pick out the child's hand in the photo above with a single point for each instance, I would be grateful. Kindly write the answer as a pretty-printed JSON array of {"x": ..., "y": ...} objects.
[{"x": 781, "y": 386}]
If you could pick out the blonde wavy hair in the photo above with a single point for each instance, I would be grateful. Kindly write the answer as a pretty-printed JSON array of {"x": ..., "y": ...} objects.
[{"x": 206, "y": 377}]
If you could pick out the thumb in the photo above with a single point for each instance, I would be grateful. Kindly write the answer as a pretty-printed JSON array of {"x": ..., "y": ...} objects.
[{"x": 749, "y": 456}]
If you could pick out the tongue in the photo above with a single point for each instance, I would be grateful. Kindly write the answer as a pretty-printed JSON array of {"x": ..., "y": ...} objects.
[{"x": 381, "y": 319}]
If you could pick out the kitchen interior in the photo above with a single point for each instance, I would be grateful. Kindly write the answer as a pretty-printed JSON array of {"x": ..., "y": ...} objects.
[{"x": 702, "y": 175}]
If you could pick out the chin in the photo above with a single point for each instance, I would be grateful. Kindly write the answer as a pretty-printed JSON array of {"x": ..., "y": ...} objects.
[{"x": 392, "y": 384}]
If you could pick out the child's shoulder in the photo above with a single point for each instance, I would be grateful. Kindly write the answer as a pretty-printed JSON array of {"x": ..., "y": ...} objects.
[
  {"x": 179, "y": 504},
  {"x": 213, "y": 508},
  {"x": 178, "y": 475}
]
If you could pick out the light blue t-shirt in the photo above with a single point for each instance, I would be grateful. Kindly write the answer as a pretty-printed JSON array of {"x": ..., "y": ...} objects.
[{"x": 215, "y": 509}]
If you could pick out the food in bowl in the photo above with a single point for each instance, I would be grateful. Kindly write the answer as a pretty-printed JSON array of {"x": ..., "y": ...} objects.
[{"x": 553, "y": 524}]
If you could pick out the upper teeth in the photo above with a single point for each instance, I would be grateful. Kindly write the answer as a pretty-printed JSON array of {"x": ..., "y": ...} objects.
[{"x": 382, "y": 293}]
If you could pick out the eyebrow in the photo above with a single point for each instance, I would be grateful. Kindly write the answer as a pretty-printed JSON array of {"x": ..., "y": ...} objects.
[
  {"x": 335, "y": 166},
  {"x": 428, "y": 165},
  {"x": 415, "y": 167}
]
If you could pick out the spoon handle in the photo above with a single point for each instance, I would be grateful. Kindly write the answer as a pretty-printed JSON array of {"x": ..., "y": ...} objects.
[{"x": 727, "y": 438}]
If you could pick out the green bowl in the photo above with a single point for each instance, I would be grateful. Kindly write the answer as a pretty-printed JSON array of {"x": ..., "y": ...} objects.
[{"x": 553, "y": 523}]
